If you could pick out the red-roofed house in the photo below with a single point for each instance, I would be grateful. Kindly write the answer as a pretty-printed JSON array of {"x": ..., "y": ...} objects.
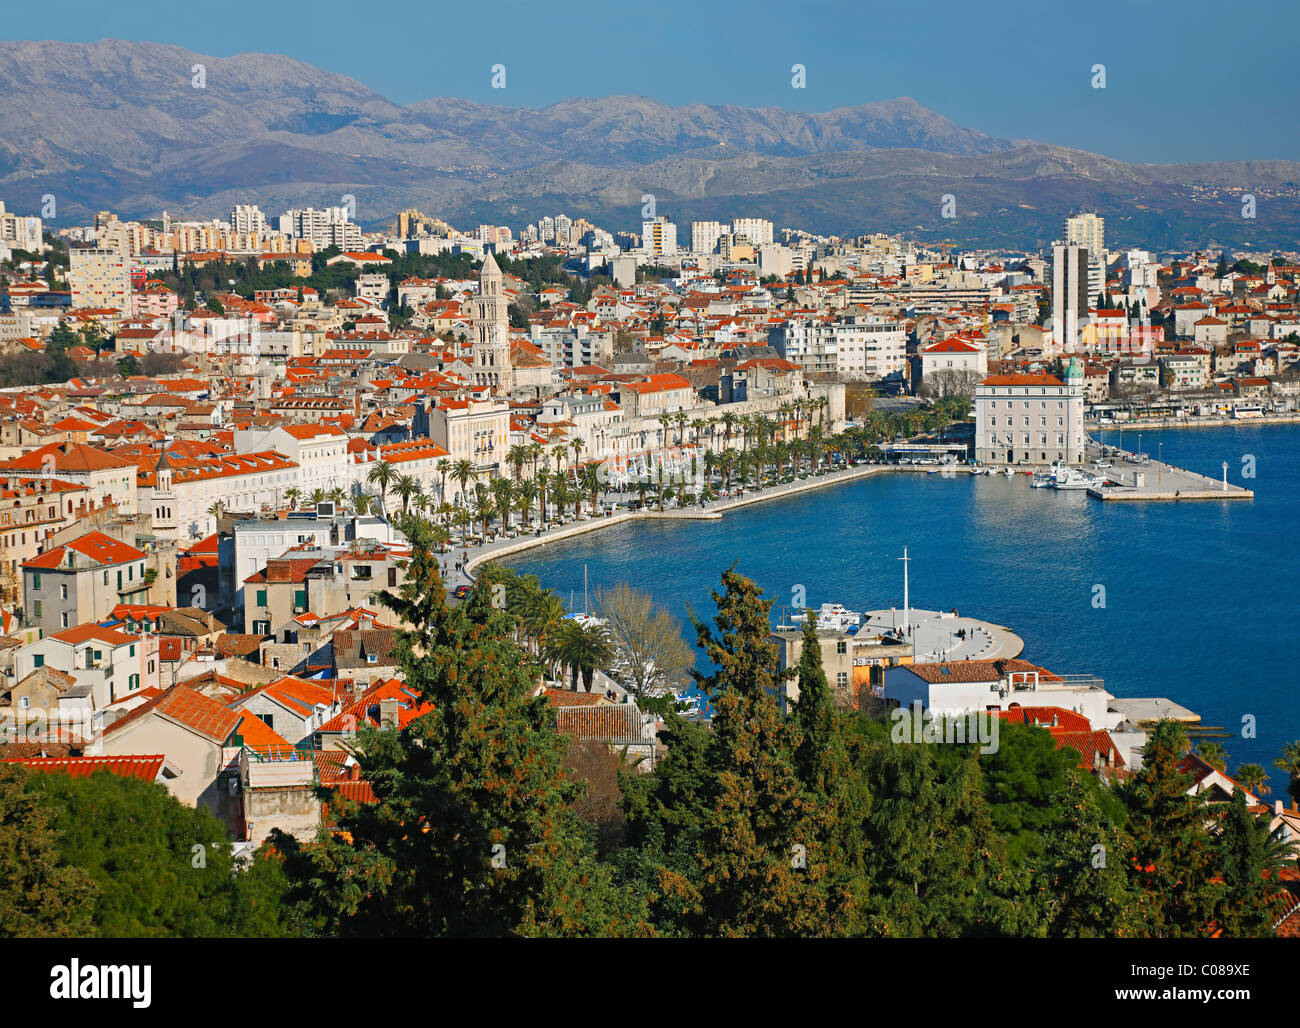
[{"x": 82, "y": 581}]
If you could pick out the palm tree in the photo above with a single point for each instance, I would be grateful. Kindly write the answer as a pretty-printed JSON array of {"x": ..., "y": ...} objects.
[
  {"x": 1214, "y": 755},
  {"x": 525, "y": 496},
  {"x": 536, "y": 451},
  {"x": 517, "y": 457},
  {"x": 582, "y": 650},
  {"x": 559, "y": 451},
  {"x": 542, "y": 616},
  {"x": 543, "y": 480},
  {"x": 445, "y": 511},
  {"x": 642, "y": 487},
  {"x": 293, "y": 495},
  {"x": 382, "y": 474},
  {"x": 444, "y": 468},
  {"x": 482, "y": 506},
  {"x": 217, "y": 509},
  {"x": 463, "y": 472},
  {"x": 591, "y": 482},
  {"x": 1254, "y": 778},
  {"x": 361, "y": 505},
  {"x": 406, "y": 486},
  {"x": 316, "y": 496},
  {"x": 1290, "y": 763},
  {"x": 503, "y": 499}
]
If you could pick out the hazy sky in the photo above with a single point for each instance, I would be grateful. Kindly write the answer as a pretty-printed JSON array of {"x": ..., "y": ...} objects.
[{"x": 1184, "y": 81}]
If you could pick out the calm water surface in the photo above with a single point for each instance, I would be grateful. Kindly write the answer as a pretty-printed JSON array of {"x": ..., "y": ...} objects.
[{"x": 1200, "y": 597}]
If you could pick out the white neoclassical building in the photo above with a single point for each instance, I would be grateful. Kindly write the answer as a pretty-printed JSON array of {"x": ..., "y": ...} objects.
[{"x": 1030, "y": 419}]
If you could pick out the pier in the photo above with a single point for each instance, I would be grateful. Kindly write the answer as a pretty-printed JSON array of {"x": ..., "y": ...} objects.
[{"x": 1156, "y": 480}]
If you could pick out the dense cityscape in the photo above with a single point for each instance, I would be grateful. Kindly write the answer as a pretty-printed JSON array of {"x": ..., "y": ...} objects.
[
  {"x": 552, "y": 474},
  {"x": 262, "y": 486}
]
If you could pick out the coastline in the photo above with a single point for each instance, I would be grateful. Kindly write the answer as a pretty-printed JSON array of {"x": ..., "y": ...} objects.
[
  {"x": 715, "y": 511},
  {"x": 1137, "y": 426}
]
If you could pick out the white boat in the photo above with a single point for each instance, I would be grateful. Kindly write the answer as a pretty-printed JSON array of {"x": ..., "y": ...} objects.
[
  {"x": 832, "y": 617},
  {"x": 1010, "y": 472},
  {"x": 1066, "y": 477},
  {"x": 1041, "y": 480}
]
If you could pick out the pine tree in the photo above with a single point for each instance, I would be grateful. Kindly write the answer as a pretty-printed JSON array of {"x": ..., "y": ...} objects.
[
  {"x": 472, "y": 833},
  {"x": 761, "y": 867},
  {"x": 1085, "y": 886},
  {"x": 1172, "y": 850}
]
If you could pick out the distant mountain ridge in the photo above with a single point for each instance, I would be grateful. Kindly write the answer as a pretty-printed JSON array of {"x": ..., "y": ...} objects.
[{"x": 120, "y": 124}]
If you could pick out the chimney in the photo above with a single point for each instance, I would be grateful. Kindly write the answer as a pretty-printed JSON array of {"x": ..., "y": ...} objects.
[
  {"x": 388, "y": 713},
  {"x": 1277, "y": 809}
]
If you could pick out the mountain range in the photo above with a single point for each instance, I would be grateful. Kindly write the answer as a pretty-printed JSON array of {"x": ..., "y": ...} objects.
[{"x": 134, "y": 127}]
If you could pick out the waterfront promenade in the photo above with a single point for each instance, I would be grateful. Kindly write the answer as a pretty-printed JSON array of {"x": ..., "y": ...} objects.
[{"x": 504, "y": 547}]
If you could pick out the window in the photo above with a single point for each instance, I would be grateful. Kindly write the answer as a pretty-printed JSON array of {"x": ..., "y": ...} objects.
[
  {"x": 36, "y": 580},
  {"x": 106, "y": 578},
  {"x": 261, "y": 597},
  {"x": 841, "y": 647},
  {"x": 36, "y": 609},
  {"x": 268, "y": 719},
  {"x": 132, "y": 653},
  {"x": 151, "y": 667},
  {"x": 63, "y": 592},
  {"x": 300, "y": 598},
  {"x": 63, "y": 619},
  {"x": 842, "y": 679},
  {"x": 133, "y": 682},
  {"x": 38, "y": 660}
]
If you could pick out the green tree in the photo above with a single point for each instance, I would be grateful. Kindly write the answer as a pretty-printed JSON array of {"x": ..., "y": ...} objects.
[
  {"x": 42, "y": 897},
  {"x": 160, "y": 868},
  {"x": 471, "y": 833},
  {"x": 1250, "y": 857},
  {"x": 1172, "y": 852},
  {"x": 761, "y": 866}
]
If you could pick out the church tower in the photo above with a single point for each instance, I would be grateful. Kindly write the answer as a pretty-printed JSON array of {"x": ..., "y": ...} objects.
[{"x": 492, "y": 366}]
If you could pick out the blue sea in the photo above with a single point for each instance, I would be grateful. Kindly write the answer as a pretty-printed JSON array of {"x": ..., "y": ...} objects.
[{"x": 1200, "y": 596}]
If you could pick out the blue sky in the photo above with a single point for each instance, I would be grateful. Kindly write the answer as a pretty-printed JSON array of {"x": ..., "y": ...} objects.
[{"x": 1189, "y": 81}]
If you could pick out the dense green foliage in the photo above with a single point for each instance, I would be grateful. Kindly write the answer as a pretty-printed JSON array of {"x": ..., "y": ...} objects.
[
  {"x": 781, "y": 818},
  {"x": 121, "y": 858}
]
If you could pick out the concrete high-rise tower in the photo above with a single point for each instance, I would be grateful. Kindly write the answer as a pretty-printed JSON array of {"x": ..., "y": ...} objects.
[
  {"x": 492, "y": 364},
  {"x": 1088, "y": 230},
  {"x": 1069, "y": 295}
]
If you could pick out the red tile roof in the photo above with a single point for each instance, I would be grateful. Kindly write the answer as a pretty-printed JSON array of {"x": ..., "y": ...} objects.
[{"x": 145, "y": 768}]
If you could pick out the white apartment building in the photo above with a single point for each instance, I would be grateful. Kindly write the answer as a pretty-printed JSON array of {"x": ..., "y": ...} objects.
[
  {"x": 19, "y": 232},
  {"x": 1030, "y": 419},
  {"x": 247, "y": 219},
  {"x": 705, "y": 235},
  {"x": 1070, "y": 299},
  {"x": 320, "y": 451},
  {"x": 659, "y": 237},
  {"x": 1089, "y": 231},
  {"x": 756, "y": 230},
  {"x": 100, "y": 277},
  {"x": 326, "y": 227},
  {"x": 180, "y": 491},
  {"x": 858, "y": 347}
]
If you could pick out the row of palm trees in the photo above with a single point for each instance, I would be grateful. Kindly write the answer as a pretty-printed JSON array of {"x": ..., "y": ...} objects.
[{"x": 557, "y": 479}]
